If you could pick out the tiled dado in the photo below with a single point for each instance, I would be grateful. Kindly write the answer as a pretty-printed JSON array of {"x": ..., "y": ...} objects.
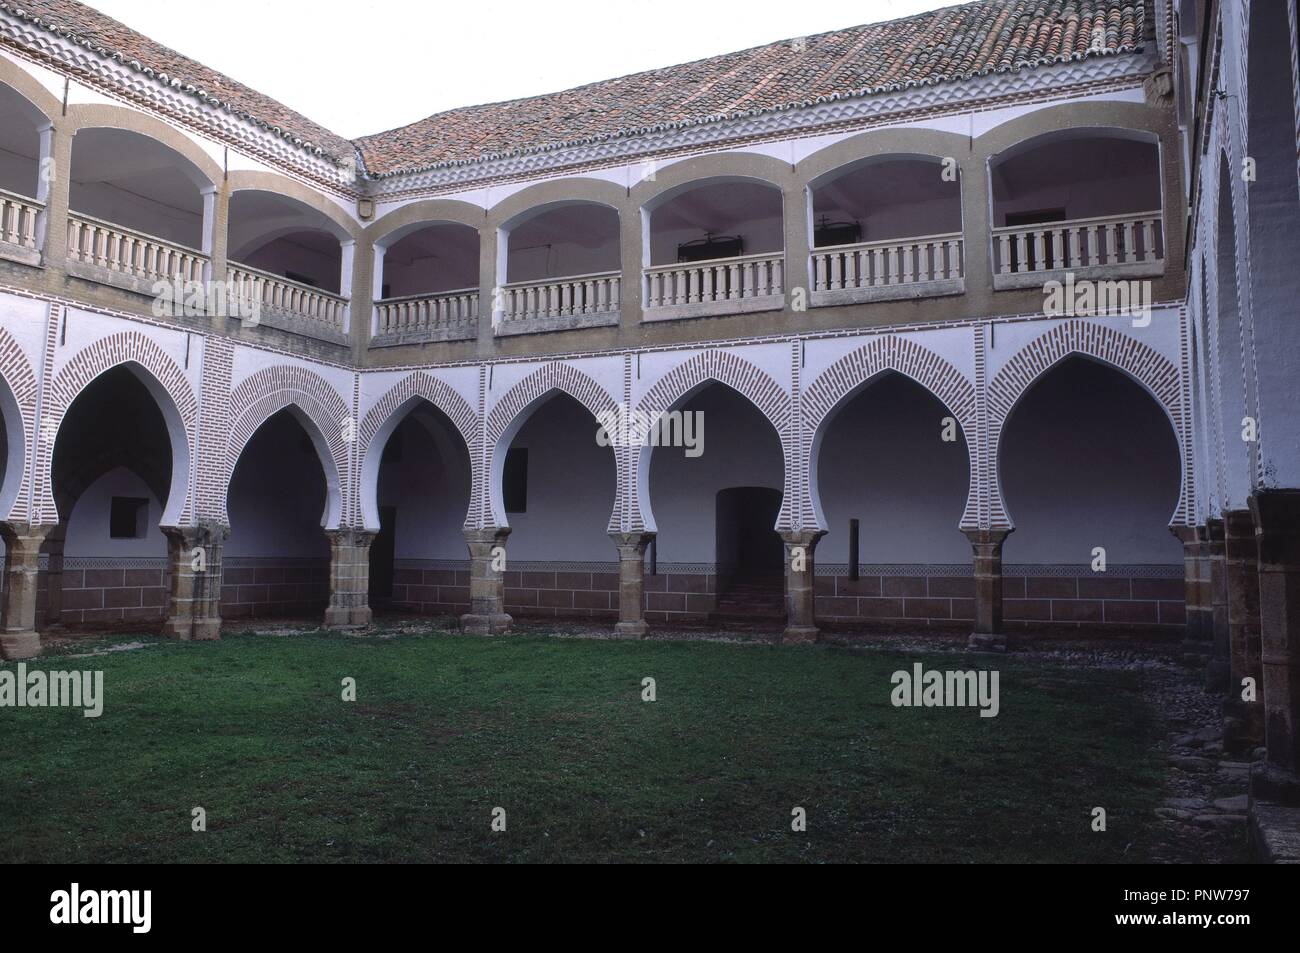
[{"x": 1031, "y": 596}]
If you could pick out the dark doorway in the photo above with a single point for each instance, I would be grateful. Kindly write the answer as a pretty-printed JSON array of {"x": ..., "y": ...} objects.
[
  {"x": 748, "y": 548},
  {"x": 382, "y": 550}
]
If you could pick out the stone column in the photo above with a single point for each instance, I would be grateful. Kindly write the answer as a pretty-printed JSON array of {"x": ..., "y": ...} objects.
[
  {"x": 1213, "y": 553},
  {"x": 349, "y": 578},
  {"x": 54, "y": 541},
  {"x": 18, "y": 638},
  {"x": 1199, "y": 627},
  {"x": 631, "y": 583},
  {"x": 1277, "y": 531},
  {"x": 194, "y": 561},
  {"x": 986, "y": 566},
  {"x": 1243, "y": 727},
  {"x": 800, "y": 605},
  {"x": 487, "y": 553}
]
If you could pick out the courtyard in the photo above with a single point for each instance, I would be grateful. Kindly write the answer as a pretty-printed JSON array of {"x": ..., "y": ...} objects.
[{"x": 553, "y": 726}]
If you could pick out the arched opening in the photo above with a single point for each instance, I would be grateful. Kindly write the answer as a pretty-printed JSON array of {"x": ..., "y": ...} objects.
[
  {"x": 883, "y": 222},
  {"x": 561, "y": 261},
  {"x": 1077, "y": 199},
  {"x": 417, "y": 559},
  {"x": 711, "y": 498},
  {"x": 1090, "y": 469},
  {"x": 112, "y": 475},
  {"x": 21, "y": 192},
  {"x": 427, "y": 277},
  {"x": 136, "y": 182},
  {"x": 1274, "y": 204},
  {"x": 892, "y": 471},
  {"x": 277, "y": 558},
  {"x": 293, "y": 259},
  {"x": 714, "y": 246},
  {"x": 284, "y": 238},
  {"x": 137, "y": 208},
  {"x": 13, "y": 440},
  {"x": 557, "y": 488}
]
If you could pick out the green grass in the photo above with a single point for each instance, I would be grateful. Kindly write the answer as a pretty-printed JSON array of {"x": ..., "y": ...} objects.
[{"x": 447, "y": 727}]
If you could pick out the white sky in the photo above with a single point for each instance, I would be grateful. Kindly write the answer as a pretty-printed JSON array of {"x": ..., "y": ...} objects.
[{"x": 409, "y": 59}]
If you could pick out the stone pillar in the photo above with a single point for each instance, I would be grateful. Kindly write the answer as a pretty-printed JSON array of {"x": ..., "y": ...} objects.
[
  {"x": 800, "y": 605},
  {"x": 194, "y": 561},
  {"x": 56, "y": 145},
  {"x": 54, "y": 541},
  {"x": 18, "y": 638},
  {"x": 631, "y": 583},
  {"x": 986, "y": 567},
  {"x": 349, "y": 578},
  {"x": 1215, "y": 572},
  {"x": 1243, "y": 727},
  {"x": 1277, "y": 531},
  {"x": 1199, "y": 627},
  {"x": 487, "y": 550}
]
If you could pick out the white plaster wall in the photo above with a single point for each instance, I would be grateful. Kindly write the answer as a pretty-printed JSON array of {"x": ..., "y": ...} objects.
[
  {"x": 88, "y": 526},
  {"x": 883, "y": 462},
  {"x": 570, "y": 487},
  {"x": 740, "y": 449}
]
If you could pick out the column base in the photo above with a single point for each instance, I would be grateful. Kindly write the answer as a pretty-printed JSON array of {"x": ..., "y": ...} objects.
[
  {"x": 800, "y": 635},
  {"x": 986, "y": 642},
  {"x": 631, "y": 630},
  {"x": 472, "y": 624},
  {"x": 196, "y": 630},
  {"x": 19, "y": 645},
  {"x": 342, "y": 617},
  {"x": 1272, "y": 784}
]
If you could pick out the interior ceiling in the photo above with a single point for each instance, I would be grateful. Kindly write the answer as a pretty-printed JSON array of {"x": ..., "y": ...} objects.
[
  {"x": 1083, "y": 162},
  {"x": 720, "y": 207},
  {"x": 18, "y": 133},
  {"x": 444, "y": 243},
  {"x": 587, "y": 225},
  {"x": 884, "y": 184},
  {"x": 135, "y": 164}
]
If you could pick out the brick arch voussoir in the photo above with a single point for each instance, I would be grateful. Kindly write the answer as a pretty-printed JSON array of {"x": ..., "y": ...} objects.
[
  {"x": 890, "y": 353},
  {"x": 17, "y": 374},
  {"x": 272, "y": 389},
  {"x": 126, "y": 347},
  {"x": 553, "y": 376},
  {"x": 436, "y": 392},
  {"x": 741, "y": 375},
  {"x": 1152, "y": 370}
]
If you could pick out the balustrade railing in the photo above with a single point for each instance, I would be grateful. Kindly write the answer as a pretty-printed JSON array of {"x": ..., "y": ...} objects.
[
  {"x": 561, "y": 297},
  {"x": 714, "y": 281},
  {"x": 444, "y": 311},
  {"x": 131, "y": 253},
  {"x": 289, "y": 297},
  {"x": 1115, "y": 240},
  {"x": 898, "y": 261},
  {"x": 18, "y": 216}
]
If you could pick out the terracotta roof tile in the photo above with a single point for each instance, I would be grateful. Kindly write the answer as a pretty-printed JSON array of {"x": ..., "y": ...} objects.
[
  {"x": 945, "y": 45},
  {"x": 952, "y": 44}
]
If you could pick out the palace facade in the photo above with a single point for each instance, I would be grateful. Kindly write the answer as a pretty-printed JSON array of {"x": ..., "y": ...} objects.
[{"x": 988, "y": 317}]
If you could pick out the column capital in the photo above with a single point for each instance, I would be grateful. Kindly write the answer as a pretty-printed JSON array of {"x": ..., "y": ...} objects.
[
  {"x": 801, "y": 537},
  {"x": 987, "y": 537},
  {"x": 634, "y": 543}
]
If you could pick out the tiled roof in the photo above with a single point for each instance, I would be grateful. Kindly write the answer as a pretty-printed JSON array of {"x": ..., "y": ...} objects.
[
  {"x": 952, "y": 44},
  {"x": 93, "y": 29},
  {"x": 955, "y": 43}
]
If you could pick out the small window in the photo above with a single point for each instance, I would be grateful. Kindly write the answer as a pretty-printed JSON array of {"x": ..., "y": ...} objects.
[
  {"x": 514, "y": 481},
  {"x": 128, "y": 517}
]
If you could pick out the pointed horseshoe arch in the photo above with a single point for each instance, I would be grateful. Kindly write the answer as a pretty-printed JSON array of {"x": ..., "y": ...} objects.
[
  {"x": 171, "y": 392},
  {"x": 1155, "y": 373},
  {"x": 382, "y": 419},
  {"x": 851, "y": 374},
  {"x": 724, "y": 367},
  {"x": 18, "y": 405},
  {"x": 317, "y": 406},
  {"x": 508, "y": 416}
]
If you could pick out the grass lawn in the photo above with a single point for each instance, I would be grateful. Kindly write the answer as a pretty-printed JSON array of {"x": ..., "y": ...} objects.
[{"x": 447, "y": 727}]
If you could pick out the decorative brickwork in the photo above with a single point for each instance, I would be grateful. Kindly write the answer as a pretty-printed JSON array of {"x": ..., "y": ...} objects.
[
  {"x": 126, "y": 347},
  {"x": 271, "y": 390},
  {"x": 725, "y": 367},
  {"x": 1146, "y": 366},
  {"x": 857, "y": 369},
  {"x": 21, "y": 380}
]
